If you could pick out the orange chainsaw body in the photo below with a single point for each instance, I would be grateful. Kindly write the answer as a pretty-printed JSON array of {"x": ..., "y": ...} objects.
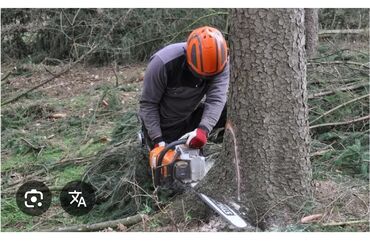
[{"x": 168, "y": 159}]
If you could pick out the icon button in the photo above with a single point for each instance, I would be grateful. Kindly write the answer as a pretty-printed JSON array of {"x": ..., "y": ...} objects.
[
  {"x": 33, "y": 198},
  {"x": 77, "y": 198}
]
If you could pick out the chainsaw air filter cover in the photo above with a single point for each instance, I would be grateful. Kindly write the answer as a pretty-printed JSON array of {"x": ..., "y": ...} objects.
[{"x": 190, "y": 165}]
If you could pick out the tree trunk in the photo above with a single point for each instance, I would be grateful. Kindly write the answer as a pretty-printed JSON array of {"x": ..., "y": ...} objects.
[
  {"x": 311, "y": 19},
  {"x": 265, "y": 167}
]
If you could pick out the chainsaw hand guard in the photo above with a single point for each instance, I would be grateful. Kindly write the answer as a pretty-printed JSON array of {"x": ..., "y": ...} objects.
[{"x": 158, "y": 168}]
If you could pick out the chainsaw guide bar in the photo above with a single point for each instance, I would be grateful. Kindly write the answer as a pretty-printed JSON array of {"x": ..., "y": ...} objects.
[{"x": 224, "y": 210}]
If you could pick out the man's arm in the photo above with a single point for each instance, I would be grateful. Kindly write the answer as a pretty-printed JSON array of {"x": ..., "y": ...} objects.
[
  {"x": 216, "y": 97},
  {"x": 155, "y": 82}
]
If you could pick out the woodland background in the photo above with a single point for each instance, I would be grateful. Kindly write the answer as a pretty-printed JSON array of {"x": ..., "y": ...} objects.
[{"x": 70, "y": 82}]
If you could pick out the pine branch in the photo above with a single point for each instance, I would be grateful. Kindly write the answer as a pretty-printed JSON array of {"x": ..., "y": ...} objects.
[
  {"x": 339, "y": 106},
  {"x": 345, "y": 88},
  {"x": 341, "y": 123}
]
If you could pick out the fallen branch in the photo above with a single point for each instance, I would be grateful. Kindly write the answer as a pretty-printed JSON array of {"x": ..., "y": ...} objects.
[
  {"x": 340, "y": 62},
  {"x": 99, "y": 226},
  {"x": 64, "y": 71},
  {"x": 345, "y": 88},
  {"x": 346, "y": 223},
  {"x": 339, "y": 52},
  {"x": 336, "y": 80},
  {"x": 341, "y": 123},
  {"x": 114, "y": 67},
  {"x": 342, "y": 31},
  {"x": 339, "y": 106}
]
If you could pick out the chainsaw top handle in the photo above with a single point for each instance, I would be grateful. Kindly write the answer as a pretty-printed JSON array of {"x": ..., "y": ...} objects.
[{"x": 157, "y": 177}]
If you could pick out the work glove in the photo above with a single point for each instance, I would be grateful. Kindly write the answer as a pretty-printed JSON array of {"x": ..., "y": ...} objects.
[
  {"x": 197, "y": 138},
  {"x": 159, "y": 142}
]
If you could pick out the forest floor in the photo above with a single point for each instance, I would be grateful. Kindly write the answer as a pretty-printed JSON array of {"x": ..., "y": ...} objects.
[{"x": 52, "y": 133}]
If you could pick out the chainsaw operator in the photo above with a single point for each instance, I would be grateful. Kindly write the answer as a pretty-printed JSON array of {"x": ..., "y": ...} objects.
[{"x": 185, "y": 90}]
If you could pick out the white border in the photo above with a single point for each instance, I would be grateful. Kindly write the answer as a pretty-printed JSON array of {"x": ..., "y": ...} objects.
[
  {"x": 185, "y": 236},
  {"x": 184, "y": 4}
]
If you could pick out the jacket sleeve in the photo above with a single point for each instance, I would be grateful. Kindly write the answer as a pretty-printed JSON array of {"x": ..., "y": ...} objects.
[
  {"x": 155, "y": 82},
  {"x": 216, "y": 97}
]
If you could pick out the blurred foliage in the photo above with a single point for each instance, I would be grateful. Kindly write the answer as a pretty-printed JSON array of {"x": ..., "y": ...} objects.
[
  {"x": 343, "y": 18},
  {"x": 122, "y": 35}
]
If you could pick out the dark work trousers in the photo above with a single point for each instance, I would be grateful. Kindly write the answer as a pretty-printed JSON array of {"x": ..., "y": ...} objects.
[{"x": 174, "y": 132}]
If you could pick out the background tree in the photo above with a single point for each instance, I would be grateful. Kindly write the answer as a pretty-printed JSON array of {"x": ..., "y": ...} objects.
[
  {"x": 311, "y": 19},
  {"x": 266, "y": 166}
]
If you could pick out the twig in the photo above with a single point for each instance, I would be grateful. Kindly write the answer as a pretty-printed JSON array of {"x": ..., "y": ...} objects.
[
  {"x": 115, "y": 72},
  {"x": 320, "y": 153},
  {"x": 99, "y": 226},
  {"x": 93, "y": 117},
  {"x": 36, "y": 148},
  {"x": 6, "y": 76},
  {"x": 194, "y": 22},
  {"x": 341, "y": 123},
  {"x": 49, "y": 79},
  {"x": 345, "y": 223},
  {"x": 339, "y": 106},
  {"x": 49, "y": 71},
  {"x": 345, "y": 88}
]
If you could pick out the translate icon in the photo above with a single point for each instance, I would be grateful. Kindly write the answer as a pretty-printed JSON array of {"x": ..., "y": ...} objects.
[{"x": 77, "y": 198}]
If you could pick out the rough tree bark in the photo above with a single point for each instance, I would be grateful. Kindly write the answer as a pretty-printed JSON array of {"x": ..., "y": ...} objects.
[
  {"x": 312, "y": 29},
  {"x": 265, "y": 167}
]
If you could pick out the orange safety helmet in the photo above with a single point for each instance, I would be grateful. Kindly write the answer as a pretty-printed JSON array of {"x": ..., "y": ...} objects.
[{"x": 206, "y": 51}]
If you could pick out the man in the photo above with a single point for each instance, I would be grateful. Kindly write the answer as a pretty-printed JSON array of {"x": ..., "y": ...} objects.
[{"x": 176, "y": 81}]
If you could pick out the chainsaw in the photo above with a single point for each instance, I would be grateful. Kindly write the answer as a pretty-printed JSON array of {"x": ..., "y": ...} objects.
[{"x": 178, "y": 164}]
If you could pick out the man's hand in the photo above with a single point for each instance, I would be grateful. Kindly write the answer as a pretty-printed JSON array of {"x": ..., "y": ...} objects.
[
  {"x": 162, "y": 143},
  {"x": 159, "y": 142},
  {"x": 197, "y": 138}
]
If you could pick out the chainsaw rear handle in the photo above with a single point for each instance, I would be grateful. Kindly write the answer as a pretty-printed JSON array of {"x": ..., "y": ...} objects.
[{"x": 157, "y": 177}]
